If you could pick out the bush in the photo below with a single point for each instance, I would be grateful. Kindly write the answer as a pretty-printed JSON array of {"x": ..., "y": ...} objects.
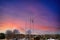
[{"x": 2, "y": 36}]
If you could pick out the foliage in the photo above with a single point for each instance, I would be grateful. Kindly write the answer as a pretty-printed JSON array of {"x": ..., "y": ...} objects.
[{"x": 2, "y": 35}]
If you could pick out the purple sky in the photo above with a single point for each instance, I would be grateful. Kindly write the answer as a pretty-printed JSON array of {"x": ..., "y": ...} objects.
[{"x": 45, "y": 16}]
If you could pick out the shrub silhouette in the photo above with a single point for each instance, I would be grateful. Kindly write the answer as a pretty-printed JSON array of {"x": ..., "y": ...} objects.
[{"x": 2, "y": 35}]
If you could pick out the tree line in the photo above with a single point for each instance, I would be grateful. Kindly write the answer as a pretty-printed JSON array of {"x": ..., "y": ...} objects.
[{"x": 16, "y": 34}]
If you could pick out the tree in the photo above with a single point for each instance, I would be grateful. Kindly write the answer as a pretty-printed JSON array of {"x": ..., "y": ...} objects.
[
  {"x": 37, "y": 38},
  {"x": 15, "y": 31},
  {"x": 2, "y": 35},
  {"x": 16, "y": 34},
  {"x": 9, "y": 34}
]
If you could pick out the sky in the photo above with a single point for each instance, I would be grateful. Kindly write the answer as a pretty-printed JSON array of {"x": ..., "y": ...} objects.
[{"x": 41, "y": 17}]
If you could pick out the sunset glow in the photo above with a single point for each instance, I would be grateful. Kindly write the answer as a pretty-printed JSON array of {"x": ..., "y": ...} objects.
[{"x": 16, "y": 15}]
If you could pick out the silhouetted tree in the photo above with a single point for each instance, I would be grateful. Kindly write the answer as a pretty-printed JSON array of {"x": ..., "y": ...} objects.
[
  {"x": 2, "y": 35},
  {"x": 16, "y": 32},
  {"x": 9, "y": 34},
  {"x": 37, "y": 38}
]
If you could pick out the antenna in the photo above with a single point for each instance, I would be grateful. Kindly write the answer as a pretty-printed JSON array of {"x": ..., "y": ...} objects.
[{"x": 32, "y": 23}]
